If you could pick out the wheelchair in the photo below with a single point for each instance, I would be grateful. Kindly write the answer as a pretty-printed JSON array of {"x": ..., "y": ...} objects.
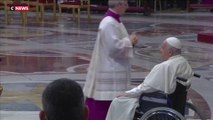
[{"x": 160, "y": 106}]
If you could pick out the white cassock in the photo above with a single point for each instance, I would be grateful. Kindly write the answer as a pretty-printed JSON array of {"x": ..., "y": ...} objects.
[
  {"x": 161, "y": 78},
  {"x": 109, "y": 69}
]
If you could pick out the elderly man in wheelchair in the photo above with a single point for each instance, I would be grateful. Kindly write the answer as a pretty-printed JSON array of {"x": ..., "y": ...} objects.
[{"x": 162, "y": 78}]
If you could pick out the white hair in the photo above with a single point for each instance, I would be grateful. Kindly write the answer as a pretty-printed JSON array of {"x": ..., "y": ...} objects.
[
  {"x": 113, "y": 3},
  {"x": 174, "y": 50}
]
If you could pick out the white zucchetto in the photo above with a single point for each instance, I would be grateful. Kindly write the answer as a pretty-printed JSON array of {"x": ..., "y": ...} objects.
[{"x": 174, "y": 42}]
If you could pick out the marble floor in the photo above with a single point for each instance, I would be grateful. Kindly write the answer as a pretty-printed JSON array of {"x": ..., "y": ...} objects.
[{"x": 38, "y": 53}]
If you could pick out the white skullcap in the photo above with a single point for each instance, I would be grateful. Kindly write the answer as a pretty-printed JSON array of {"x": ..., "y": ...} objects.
[{"x": 174, "y": 42}]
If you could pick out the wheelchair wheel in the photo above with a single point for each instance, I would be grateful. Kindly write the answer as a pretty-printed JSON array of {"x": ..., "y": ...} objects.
[
  {"x": 195, "y": 111},
  {"x": 162, "y": 113}
]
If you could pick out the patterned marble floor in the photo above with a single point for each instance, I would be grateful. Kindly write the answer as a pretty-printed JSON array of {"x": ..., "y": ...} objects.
[{"x": 35, "y": 54}]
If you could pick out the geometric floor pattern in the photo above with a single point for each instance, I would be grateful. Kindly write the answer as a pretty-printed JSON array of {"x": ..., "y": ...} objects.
[{"x": 38, "y": 53}]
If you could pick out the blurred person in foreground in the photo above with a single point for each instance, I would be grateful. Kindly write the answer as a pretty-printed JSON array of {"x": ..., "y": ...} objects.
[{"x": 63, "y": 99}]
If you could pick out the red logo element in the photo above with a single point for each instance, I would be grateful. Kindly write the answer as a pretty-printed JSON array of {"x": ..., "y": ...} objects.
[{"x": 19, "y": 8}]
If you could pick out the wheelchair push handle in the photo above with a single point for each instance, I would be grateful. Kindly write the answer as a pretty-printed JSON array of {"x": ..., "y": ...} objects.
[
  {"x": 197, "y": 75},
  {"x": 184, "y": 80},
  {"x": 181, "y": 79}
]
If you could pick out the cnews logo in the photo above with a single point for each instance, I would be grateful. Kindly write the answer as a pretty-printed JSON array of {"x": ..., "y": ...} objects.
[{"x": 19, "y": 8}]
